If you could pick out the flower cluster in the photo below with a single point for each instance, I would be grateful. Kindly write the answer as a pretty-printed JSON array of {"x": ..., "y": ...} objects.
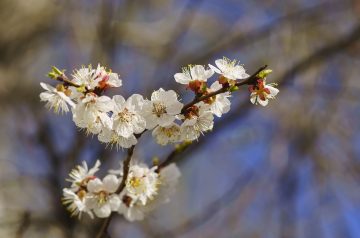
[
  {"x": 138, "y": 189},
  {"x": 145, "y": 189},
  {"x": 118, "y": 121}
]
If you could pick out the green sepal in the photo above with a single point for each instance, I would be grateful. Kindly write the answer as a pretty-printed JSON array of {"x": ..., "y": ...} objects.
[
  {"x": 233, "y": 88},
  {"x": 81, "y": 89}
]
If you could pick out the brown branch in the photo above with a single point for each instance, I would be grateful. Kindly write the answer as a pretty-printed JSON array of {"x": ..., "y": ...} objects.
[
  {"x": 248, "y": 80},
  {"x": 182, "y": 147},
  {"x": 103, "y": 233},
  {"x": 24, "y": 225},
  {"x": 319, "y": 55},
  {"x": 63, "y": 78},
  {"x": 172, "y": 155},
  {"x": 126, "y": 166}
]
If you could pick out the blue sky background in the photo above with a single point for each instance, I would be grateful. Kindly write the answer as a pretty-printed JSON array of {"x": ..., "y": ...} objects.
[{"x": 287, "y": 170}]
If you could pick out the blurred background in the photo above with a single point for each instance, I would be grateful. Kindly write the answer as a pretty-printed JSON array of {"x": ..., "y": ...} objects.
[{"x": 291, "y": 169}]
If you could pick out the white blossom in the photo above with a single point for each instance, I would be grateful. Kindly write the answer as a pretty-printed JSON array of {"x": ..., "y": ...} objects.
[
  {"x": 162, "y": 108},
  {"x": 133, "y": 208},
  {"x": 192, "y": 73},
  {"x": 130, "y": 208},
  {"x": 166, "y": 135},
  {"x": 220, "y": 104},
  {"x": 229, "y": 69},
  {"x": 169, "y": 177},
  {"x": 107, "y": 79},
  {"x": 76, "y": 203},
  {"x": 120, "y": 122},
  {"x": 92, "y": 113},
  {"x": 80, "y": 176},
  {"x": 110, "y": 137},
  {"x": 56, "y": 98},
  {"x": 126, "y": 115},
  {"x": 197, "y": 123},
  {"x": 142, "y": 182},
  {"x": 76, "y": 198},
  {"x": 104, "y": 200},
  {"x": 262, "y": 92},
  {"x": 96, "y": 78}
]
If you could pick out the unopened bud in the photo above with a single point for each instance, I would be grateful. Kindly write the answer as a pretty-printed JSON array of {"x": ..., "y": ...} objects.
[
  {"x": 55, "y": 72},
  {"x": 262, "y": 74},
  {"x": 155, "y": 161}
]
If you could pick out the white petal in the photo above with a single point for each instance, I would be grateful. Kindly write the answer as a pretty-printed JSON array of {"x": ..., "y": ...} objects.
[
  {"x": 198, "y": 73},
  {"x": 208, "y": 73},
  {"x": 170, "y": 174},
  {"x": 111, "y": 183},
  {"x": 174, "y": 108},
  {"x": 155, "y": 96},
  {"x": 118, "y": 99},
  {"x": 221, "y": 64},
  {"x": 215, "y": 69},
  {"x": 273, "y": 91},
  {"x": 127, "y": 142},
  {"x": 182, "y": 78},
  {"x": 47, "y": 87},
  {"x": 103, "y": 211},
  {"x": 105, "y": 135},
  {"x": 124, "y": 129},
  {"x": 94, "y": 169},
  {"x": 105, "y": 104},
  {"x": 114, "y": 80},
  {"x": 166, "y": 120},
  {"x": 215, "y": 86},
  {"x": 46, "y": 96},
  {"x": 95, "y": 185},
  {"x": 263, "y": 103},
  {"x": 139, "y": 124},
  {"x": 67, "y": 99},
  {"x": 114, "y": 202},
  {"x": 136, "y": 100}
]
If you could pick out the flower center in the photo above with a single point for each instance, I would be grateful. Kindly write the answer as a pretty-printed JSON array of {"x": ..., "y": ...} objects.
[
  {"x": 261, "y": 91},
  {"x": 125, "y": 115},
  {"x": 81, "y": 194},
  {"x": 169, "y": 132},
  {"x": 159, "y": 108},
  {"x": 102, "y": 197},
  {"x": 135, "y": 182}
]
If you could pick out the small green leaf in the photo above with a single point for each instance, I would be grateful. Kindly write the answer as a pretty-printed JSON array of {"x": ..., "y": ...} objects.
[{"x": 262, "y": 74}]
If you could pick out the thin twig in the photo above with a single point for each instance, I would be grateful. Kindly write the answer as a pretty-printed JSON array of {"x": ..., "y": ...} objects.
[
  {"x": 103, "y": 230},
  {"x": 126, "y": 167},
  {"x": 63, "y": 78},
  {"x": 318, "y": 56},
  {"x": 172, "y": 155},
  {"x": 248, "y": 80},
  {"x": 24, "y": 225}
]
